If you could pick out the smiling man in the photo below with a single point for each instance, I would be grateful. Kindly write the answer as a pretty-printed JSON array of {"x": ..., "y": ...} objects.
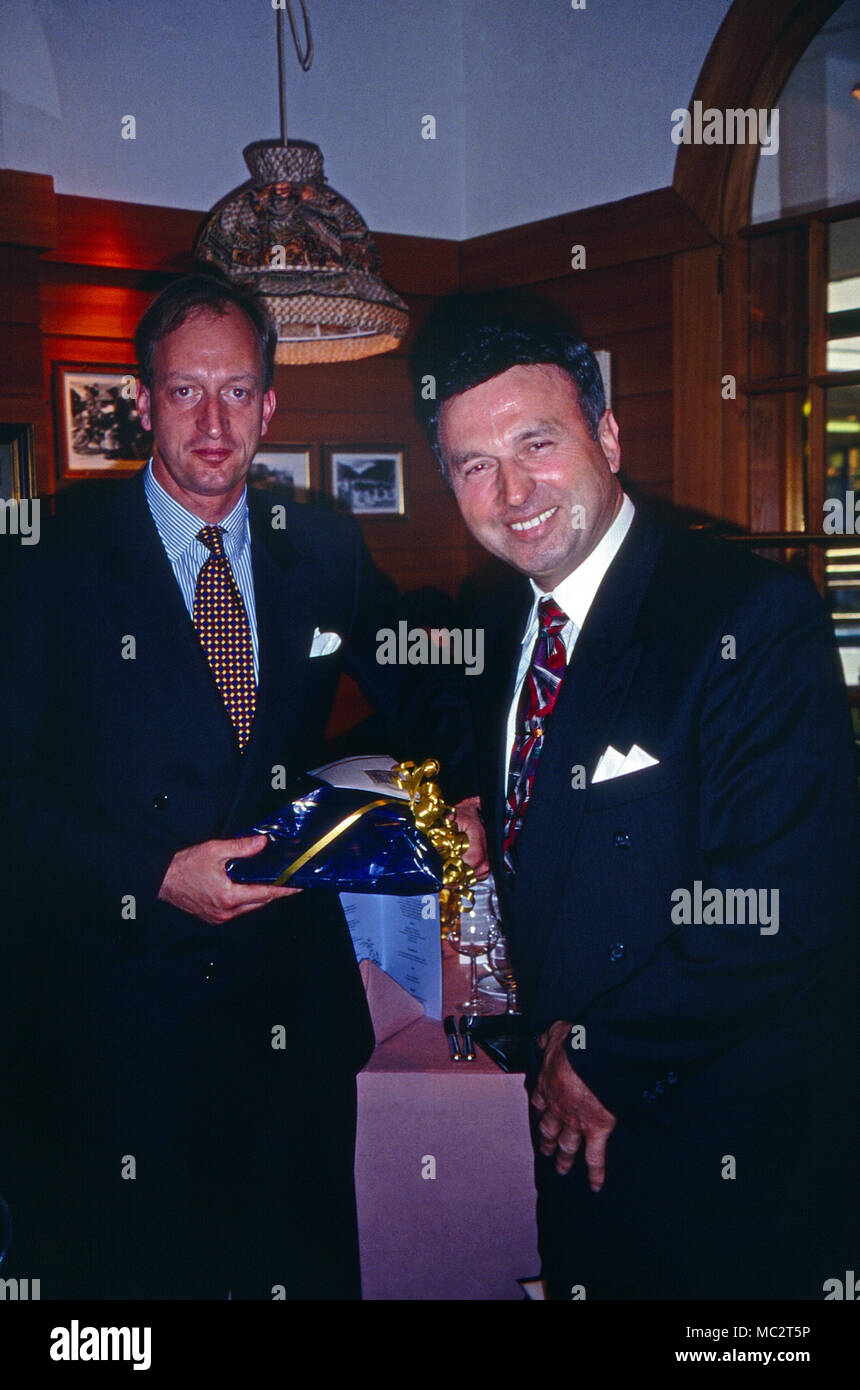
[
  {"x": 658, "y": 713},
  {"x": 536, "y": 486},
  {"x": 178, "y": 1095}
]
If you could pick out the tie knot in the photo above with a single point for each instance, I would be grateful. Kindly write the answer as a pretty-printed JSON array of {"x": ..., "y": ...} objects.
[
  {"x": 552, "y": 619},
  {"x": 213, "y": 539}
]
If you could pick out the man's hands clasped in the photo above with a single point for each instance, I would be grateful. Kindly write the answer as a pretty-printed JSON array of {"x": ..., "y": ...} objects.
[{"x": 569, "y": 1111}]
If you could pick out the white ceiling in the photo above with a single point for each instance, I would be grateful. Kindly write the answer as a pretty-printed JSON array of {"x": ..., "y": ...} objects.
[{"x": 540, "y": 108}]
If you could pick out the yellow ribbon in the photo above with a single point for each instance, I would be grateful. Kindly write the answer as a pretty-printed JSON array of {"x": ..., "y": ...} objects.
[
  {"x": 437, "y": 820},
  {"x": 331, "y": 835}
]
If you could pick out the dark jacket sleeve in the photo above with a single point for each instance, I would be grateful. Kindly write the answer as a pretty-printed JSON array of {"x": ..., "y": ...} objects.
[{"x": 54, "y": 847}]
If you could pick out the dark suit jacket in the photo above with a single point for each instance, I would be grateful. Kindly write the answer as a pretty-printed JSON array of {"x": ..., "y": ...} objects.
[
  {"x": 118, "y": 752},
  {"x": 695, "y": 1034}
]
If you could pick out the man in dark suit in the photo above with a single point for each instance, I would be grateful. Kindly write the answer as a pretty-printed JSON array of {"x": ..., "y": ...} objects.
[
  {"x": 669, "y": 791},
  {"x": 179, "y": 1088}
]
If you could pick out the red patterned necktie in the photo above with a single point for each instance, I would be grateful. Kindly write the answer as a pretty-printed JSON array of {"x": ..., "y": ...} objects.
[
  {"x": 537, "y": 701},
  {"x": 222, "y": 625}
]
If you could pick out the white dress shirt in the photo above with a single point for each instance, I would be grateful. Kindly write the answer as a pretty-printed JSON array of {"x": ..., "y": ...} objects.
[{"x": 574, "y": 596}]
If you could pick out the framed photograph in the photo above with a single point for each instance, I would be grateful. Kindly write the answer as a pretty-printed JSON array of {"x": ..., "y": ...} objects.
[
  {"x": 367, "y": 478},
  {"x": 98, "y": 427},
  {"x": 17, "y": 463},
  {"x": 283, "y": 467}
]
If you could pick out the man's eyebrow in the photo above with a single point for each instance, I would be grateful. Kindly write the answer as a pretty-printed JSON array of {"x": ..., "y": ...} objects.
[
  {"x": 191, "y": 376},
  {"x": 539, "y": 427},
  {"x": 463, "y": 456}
]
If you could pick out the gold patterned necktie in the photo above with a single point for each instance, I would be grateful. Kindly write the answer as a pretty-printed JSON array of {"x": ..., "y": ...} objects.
[{"x": 222, "y": 625}]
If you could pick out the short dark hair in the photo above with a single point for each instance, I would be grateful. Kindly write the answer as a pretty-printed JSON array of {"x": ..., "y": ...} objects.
[
  {"x": 469, "y": 338},
  {"x": 202, "y": 292}
]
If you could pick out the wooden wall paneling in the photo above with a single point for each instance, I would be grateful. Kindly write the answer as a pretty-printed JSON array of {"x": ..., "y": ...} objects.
[
  {"x": 291, "y": 422},
  {"x": 776, "y": 432},
  {"x": 615, "y": 299},
  {"x": 735, "y": 414},
  {"x": 778, "y": 303},
  {"x": 370, "y": 385},
  {"x": 20, "y": 359},
  {"x": 20, "y": 338},
  {"x": 641, "y": 361},
  {"x": 416, "y": 265},
  {"x": 645, "y": 424},
  {"x": 91, "y": 311},
  {"x": 19, "y": 285},
  {"x": 657, "y": 223},
  {"x": 28, "y": 215},
  {"x": 141, "y": 236},
  {"x": 698, "y": 407}
]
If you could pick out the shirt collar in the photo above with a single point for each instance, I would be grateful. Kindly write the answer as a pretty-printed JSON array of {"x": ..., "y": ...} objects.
[
  {"x": 178, "y": 527},
  {"x": 575, "y": 594}
]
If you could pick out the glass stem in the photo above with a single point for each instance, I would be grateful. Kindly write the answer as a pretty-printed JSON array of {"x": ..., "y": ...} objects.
[{"x": 474, "y": 1001}]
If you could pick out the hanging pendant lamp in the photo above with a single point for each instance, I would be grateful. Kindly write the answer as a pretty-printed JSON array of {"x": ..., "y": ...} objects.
[{"x": 303, "y": 248}]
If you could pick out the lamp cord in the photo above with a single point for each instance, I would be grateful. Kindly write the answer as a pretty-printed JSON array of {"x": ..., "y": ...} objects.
[{"x": 305, "y": 56}]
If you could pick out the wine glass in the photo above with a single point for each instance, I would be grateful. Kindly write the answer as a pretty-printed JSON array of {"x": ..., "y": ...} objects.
[
  {"x": 476, "y": 933},
  {"x": 499, "y": 961}
]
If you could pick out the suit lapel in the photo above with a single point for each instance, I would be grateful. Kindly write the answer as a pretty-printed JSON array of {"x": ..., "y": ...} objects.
[
  {"x": 598, "y": 677},
  {"x": 191, "y": 712}
]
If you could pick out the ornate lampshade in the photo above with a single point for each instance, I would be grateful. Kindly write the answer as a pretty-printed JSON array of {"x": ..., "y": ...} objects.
[{"x": 309, "y": 255}]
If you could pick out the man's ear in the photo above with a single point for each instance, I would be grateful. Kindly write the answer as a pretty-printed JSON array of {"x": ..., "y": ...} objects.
[
  {"x": 270, "y": 400},
  {"x": 143, "y": 405},
  {"x": 609, "y": 440}
]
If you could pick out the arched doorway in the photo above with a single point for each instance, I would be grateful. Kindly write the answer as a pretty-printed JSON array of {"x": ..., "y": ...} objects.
[{"x": 754, "y": 380}]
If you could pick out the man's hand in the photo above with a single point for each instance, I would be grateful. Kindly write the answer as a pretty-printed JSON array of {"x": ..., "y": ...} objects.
[
  {"x": 196, "y": 882},
  {"x": 569, "y": 1111},
  {"x": 469, "y": 821}
]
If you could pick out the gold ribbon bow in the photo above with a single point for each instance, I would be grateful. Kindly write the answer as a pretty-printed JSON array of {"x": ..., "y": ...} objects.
[{"x": 437, "y": 820}]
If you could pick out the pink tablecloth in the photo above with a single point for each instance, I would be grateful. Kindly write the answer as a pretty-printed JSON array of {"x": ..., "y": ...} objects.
[{"x": 469, "y": 1232}]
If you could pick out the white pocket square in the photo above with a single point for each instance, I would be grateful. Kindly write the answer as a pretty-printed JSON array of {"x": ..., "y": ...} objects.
[
  {"x": 324, "y": 643},
  {"x": 615, "y": 764}
]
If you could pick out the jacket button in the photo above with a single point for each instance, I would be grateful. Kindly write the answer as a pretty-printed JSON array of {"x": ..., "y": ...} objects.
[
  {"x": 617, "y": 951},
  {"x": 621, "y": 840},
  {"x": 211, "y": 967},
  {"x": 159, "y": 801}
]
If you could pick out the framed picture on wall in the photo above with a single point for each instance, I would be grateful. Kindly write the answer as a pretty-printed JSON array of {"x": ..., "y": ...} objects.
[
  {"x": 284, "y": 468},
  {"x": 98, "y": 428},
  {"x": 367, "y": 478},
  {"x": 17, "y": 463}
]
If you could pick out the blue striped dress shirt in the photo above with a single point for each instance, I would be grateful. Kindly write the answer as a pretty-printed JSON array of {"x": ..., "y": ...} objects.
[{"x": 178, "y": 529}]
